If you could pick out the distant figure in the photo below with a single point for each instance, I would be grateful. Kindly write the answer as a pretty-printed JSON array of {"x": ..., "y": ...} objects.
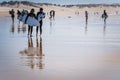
[
  {"x": 18, "y": 15},
  {"x": 23, "y": 12},
  {"x": 77, "y": 13},
  {"x": 104, "y": 16},
  {"x": 40, "y": 16},
  {"x": 116, "y": 12},
  {"x": 30, "y": 27},
  {"x": 24, "y": 15},
  {"x": 52, "y": 14},
  {"x": 86, "y": 16},
  {"x": 12, "y": 13}
]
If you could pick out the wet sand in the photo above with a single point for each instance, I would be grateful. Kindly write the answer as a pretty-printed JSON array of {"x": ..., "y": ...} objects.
[{"x": 69, "y": 49}]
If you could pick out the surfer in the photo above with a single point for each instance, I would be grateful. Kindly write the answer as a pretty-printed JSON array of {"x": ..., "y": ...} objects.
[
  {"x": 30, "y": 27},
  {"x": 52, "y": 14},
  {"x": 40, "y": 16},
  {"x": 104, "y": 15},
  {"x": 12, "y": 13},
  {"x": 18, "y": 15},
  {"x": 86, "y": 16}
]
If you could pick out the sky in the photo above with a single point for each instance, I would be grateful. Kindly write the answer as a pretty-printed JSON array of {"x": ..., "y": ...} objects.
[{"x": 72, "y": 1}]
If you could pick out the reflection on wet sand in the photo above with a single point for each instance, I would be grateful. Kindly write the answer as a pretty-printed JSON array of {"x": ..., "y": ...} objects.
[
  {"x": 12, "y": 30},
  {"x": 51, "y": 24},
  {"x": 86, "y": 27},
  {"x": 21, "y": 29},
  {"x": 104, "y": 28},
  {"x": 33, "y": 54}
]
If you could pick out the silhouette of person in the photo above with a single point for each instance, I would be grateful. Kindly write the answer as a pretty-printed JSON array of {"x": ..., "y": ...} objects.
[
  {"x": 104, "y": 15},
  {"x": 52, "y": 14},
  {"x": 86, "y": 16},
  {"x": 40, "y": 16},
  {"x": 30, "y": 28},
  {"x": 18, "y": 15},
  {"x": 12, "y": 13}
]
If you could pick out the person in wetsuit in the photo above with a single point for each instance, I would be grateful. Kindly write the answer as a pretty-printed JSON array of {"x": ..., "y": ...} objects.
[
  {"x": 30, "y": 28},
  {"x": 52, "y": 14},
  {"x": 104, "y": 15},
  {"x": 12, "y": 13},
  {"x": 86, "y": 16},
  {"x": 40, "y": 16}
]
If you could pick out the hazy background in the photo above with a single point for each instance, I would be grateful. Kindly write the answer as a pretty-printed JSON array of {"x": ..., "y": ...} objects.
[{"x": 72, "y": 1}]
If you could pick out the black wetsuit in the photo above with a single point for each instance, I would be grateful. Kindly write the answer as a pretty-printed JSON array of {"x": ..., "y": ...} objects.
[
  {"x": 12, "y": 13},
  {"x": 41, "y": 22}
]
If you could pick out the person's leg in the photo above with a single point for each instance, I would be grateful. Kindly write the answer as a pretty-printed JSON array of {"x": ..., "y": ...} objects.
[
  {"x": 12, "y": 20},
  {"x": 29, "y": 30},
  {"x": 36, "y": 30},
  {"x": 104, "y": 20},
  {"x": 40, "y": 27}
]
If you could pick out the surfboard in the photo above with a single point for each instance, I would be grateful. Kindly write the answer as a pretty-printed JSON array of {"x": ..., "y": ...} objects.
[
  {"x": 32, "y": 21},
  {"x": 23, "y": 18},
  {"x": 20, "y": 18},
  {"x": 41, "y": 16}
]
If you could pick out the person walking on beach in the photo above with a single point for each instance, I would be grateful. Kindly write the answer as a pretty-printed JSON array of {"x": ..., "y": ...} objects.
[
  {"x": 86, "y": 16},
  {"x": 12, "y": 13},
  {"x": 18, "y": 15},
  {"x": 40, "y": 16},
  {"x": 30, "y": 27},
  {"x": 104, "y": 15},
  {"x": 52, "y": 14}
]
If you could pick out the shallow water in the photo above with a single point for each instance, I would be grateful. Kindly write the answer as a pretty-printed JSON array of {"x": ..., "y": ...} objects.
[{"x": 69, "y": 49}]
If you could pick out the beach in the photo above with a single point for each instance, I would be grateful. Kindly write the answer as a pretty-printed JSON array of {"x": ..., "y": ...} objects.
[{"x": 69, "y": 49}]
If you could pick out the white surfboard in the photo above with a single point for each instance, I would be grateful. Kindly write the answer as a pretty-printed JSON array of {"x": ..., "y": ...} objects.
[
  {"x": 41, "y": 16},
  {"x": 20, "y": 17},
  {"x": 23, "y": 18},
  {"x": 32, "y": 21}
]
